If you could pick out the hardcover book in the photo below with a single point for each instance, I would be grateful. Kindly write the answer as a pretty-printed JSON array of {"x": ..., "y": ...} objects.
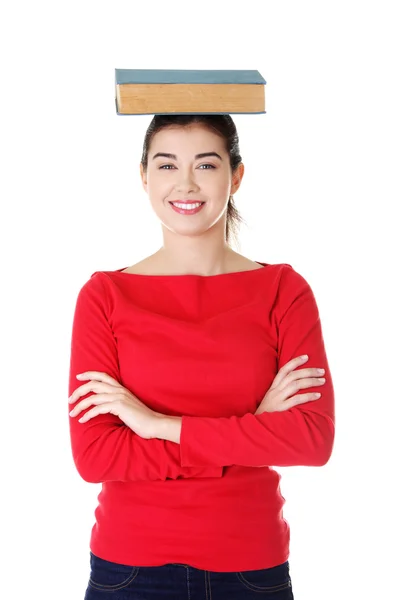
[{"x": 180, "y": 91}]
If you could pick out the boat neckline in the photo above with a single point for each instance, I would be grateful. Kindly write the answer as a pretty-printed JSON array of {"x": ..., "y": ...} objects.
[{"x": 191, "y": 275}]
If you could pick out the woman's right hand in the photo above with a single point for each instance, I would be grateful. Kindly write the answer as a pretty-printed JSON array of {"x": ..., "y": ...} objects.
[{"x": 286, "y": 383}]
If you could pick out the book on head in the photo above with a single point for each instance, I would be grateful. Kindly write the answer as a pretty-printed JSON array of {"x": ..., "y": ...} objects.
[{"x": 181, "y": 91}]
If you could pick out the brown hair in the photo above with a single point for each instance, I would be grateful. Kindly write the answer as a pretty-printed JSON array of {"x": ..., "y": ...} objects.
[{"x": 224, "y": 126}]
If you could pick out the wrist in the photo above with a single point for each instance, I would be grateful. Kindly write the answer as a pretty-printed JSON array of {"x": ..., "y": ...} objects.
[{"x": 169, "y": 428}]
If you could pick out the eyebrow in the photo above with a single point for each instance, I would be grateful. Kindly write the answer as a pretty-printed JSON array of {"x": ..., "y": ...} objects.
[{"x": 174, "y": 157}]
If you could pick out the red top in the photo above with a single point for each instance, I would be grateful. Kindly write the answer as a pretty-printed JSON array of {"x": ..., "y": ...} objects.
[{"x": 206, "y": 348}]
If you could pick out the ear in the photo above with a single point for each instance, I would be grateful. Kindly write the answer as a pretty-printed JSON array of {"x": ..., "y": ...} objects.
[
  {"x": 237, "y": 178},
  {"x": 143, "y": 177}
]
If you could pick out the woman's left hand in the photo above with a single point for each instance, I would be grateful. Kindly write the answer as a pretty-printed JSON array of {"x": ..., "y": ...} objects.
[{"x": 111, "y": 397}]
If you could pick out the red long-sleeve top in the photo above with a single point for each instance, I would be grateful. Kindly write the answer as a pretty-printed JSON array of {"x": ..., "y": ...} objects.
[{"x": 206, "y": 348}]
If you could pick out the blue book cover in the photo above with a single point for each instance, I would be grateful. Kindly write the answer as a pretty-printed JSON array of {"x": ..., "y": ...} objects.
[{"x": 187, "y": 76}]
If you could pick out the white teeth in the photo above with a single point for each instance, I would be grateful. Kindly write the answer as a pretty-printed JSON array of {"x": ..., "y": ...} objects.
[{"x": 187, "y": 206}]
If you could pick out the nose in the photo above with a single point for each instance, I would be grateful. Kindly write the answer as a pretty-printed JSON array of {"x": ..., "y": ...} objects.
[{"x": 187, "y": 184}]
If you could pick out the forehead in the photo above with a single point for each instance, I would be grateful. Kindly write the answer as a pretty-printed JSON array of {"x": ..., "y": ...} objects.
[{"x": 192, "y": 135}]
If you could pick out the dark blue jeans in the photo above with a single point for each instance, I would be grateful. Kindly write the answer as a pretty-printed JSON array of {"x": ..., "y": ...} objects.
[{"x": 174, "y": 581}]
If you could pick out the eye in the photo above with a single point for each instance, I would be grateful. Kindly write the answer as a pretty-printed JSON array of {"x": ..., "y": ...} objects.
[{"x": 203, "y": 165}]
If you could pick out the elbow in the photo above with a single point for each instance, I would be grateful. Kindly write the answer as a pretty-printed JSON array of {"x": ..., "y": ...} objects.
[
  {"x": 86, "y": 470},
  {"x": 322, "y": 456},
  {"x": 87, "y": 474},
  {"x": 89, "y": 478},
  {"x": 317, "y": 440},
  {"x": 323, "y": 448},
  {"x": 96, "y": 458}
]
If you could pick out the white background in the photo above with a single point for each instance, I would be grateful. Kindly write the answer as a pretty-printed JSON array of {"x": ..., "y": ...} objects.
[{"x": 320, "y": 192}]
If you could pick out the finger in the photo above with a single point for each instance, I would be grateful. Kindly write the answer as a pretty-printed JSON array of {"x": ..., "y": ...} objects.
[
  {"x": 91, "y": 386},
  {"x": 108, "y": 407},
  {"x": 96, "y": 399},
  {"x": 98, "y": 376},
  {"x": 290, "y": 366},
  {"x": 299, "y": 384},
  {"x": 301, "y": 399},
  {"x": 301, "y": 373}
]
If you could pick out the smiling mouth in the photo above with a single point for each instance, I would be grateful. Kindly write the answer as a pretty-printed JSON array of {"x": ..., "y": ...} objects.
[
  {"x": 186, "y": 202},
  {"x": 178, "y": 207}
]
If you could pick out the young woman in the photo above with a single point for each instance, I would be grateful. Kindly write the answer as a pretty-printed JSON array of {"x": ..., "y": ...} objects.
[{"x": 188, "y": 383}]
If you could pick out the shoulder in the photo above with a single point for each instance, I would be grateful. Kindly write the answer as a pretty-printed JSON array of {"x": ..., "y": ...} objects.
[
  {"x": 293, "y": 292},
  {"x": 290, "y": 277},
  {"x": 95, "y": 290}
]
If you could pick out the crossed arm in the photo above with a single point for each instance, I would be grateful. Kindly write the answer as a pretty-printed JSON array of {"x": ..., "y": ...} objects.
[{"x": 106, "y": 449}]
